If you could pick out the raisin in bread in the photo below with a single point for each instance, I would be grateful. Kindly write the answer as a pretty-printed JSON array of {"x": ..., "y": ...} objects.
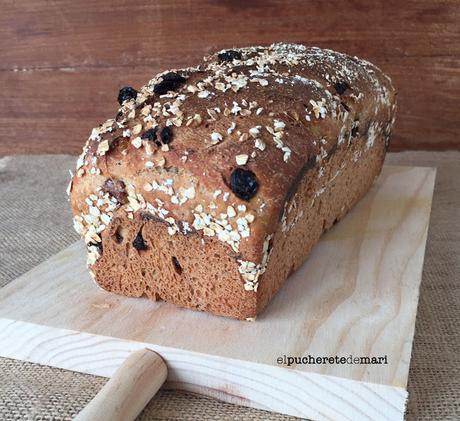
[{"x": 213, "y": 183}]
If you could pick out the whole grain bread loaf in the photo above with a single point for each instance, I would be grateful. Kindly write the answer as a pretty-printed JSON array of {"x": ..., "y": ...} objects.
[{"x": 213, "y": 183}]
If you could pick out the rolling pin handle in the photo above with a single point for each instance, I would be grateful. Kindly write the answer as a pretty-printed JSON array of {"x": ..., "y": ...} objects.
[{"x": 129, "y": 390}]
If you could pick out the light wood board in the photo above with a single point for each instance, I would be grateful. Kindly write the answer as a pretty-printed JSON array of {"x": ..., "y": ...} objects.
[{"x": 356, "y": 295}]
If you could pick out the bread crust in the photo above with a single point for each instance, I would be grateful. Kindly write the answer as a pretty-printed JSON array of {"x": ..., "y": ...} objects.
[{"x": 161, "y": 217}]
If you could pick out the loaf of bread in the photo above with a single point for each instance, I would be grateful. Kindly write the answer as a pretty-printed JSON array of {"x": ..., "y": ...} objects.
[{"x": 213, "y": 183}]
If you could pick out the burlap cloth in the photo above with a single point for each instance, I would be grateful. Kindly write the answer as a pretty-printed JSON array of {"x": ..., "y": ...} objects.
[{"x": 35, "y": 223}]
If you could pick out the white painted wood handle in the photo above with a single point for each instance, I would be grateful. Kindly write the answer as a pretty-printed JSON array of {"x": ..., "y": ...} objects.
[{"x": 128, "y": 391}]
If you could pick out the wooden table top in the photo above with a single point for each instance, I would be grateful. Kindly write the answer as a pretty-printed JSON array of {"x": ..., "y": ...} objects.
[{"x": 62, "y": 63}]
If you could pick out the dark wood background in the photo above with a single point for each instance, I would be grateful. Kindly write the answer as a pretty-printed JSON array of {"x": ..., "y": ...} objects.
[{"x": 62, "y": 62}]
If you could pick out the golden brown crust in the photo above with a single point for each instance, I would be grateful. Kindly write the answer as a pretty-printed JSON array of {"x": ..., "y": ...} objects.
[{"x": 281, "y": 112}]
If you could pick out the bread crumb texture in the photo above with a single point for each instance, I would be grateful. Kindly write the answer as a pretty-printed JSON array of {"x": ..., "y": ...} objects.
[{"x": 212, "y": 183}]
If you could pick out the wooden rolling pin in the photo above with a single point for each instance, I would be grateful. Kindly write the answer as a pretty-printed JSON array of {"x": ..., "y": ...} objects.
[{"x": 129, "y": 390}]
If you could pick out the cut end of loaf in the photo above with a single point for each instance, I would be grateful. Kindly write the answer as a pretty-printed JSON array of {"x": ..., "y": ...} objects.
[{"x": 189, "y": 271}]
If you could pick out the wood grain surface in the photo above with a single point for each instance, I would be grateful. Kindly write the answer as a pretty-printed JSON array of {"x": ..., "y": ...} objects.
[
  {"x": 62, "y": 62},
  {"x": 356, "y": 295}
]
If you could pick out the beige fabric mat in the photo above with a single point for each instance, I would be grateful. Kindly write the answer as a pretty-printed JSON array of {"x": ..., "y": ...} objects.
[{"x": 35, "y": 223}]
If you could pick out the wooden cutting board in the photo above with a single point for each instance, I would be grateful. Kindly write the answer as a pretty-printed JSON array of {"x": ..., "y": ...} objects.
[{"x": 355, "y": 296}]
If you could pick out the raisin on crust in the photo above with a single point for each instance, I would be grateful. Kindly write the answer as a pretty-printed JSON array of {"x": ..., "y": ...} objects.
[{"x": 213, "y": 183}]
